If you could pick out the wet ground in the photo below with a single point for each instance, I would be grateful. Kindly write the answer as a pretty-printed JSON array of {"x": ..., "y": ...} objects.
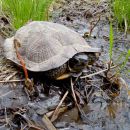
[
  {"x": 103, "y": 110},
  {"x": 82, "y": 16}
]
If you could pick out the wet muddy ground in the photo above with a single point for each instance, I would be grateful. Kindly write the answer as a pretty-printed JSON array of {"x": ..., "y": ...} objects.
[
  {"x": 82, "y": 16},
  {"x": 103, "y": 109}
]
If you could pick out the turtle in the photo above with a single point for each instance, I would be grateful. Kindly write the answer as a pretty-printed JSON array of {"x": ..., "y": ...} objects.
[{"x": 51, "y": 48}]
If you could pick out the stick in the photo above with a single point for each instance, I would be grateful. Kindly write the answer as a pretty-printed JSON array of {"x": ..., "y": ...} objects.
[
  {"x": 94, "y": 26},
  {"x": 48, "y": 124},
  {"x": 10, "y": 76},
  {"x": 73, "y": 93},
  {"x": 57, "y": 108},
  {"x": 99, "y": 72},
  {"x": 12, "y": 81},
  {"x": 77, "y": 105},
  {"x": 61, "y": 110}
]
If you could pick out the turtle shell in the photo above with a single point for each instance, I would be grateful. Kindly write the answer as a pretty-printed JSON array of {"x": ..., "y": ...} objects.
[{"x": 45, "y": 45}]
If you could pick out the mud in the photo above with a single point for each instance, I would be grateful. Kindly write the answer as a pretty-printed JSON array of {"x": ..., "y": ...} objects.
[{"x": 81, "y": 16}]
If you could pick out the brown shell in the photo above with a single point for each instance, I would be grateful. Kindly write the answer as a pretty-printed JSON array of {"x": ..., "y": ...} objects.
[{"x": 45, "y": 45}]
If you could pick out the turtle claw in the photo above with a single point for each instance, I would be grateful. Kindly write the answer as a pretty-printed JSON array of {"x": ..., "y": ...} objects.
[{"x": 64, "y": 76}]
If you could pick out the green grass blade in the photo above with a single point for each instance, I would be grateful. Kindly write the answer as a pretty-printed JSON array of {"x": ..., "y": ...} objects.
[
  {"x": 21, "y": 11},
  {"x": 121, "y": 9},
  {"x": 111, "y": 41},
  {"x": 126, "y": 60}
]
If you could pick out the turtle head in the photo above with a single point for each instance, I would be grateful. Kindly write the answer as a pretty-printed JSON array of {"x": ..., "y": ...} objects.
[{"x": 81, "y": 60}]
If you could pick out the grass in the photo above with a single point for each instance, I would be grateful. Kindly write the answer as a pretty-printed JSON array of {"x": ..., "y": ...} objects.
[
  {"x": 122, "y": 12},
  {"x": 22, "y": 11},
  {"x": 125, "y": 60},
  {"x": 111, "y": 41}
]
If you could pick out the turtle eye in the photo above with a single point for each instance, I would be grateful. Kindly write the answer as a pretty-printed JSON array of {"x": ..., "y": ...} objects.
[{"x": 73, "y": 62}]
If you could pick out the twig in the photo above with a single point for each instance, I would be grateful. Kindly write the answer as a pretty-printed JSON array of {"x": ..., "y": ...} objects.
[
  {"x": 108, "y": 67},
  {"x": 79, "y": 97},
  {"x": 6, "y": 72},
  {"x": 10, "y": 76},
  {"x": 12, "y": 81},
  {"x": 73, "y": 93},
  {"x": 77, "y": 105},
  {"x": 47, "y": 123},
  {"x": 33, "y": 127},
  {"x": 94, "y": 26},
  {"x": 99, "y": 72},
  {"x": 27, "y": 122},
  {"x": 57, "y": 108},
  {"x": 61, "y": 109},
  {"x": 6, "y": 116}
]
